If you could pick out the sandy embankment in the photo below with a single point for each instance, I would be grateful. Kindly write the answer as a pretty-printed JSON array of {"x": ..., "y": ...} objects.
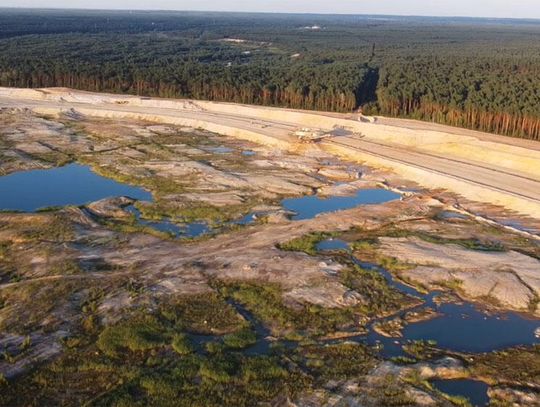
[
  {"x": 443, "y": 140},
  {"x": 481, "y": 151}
]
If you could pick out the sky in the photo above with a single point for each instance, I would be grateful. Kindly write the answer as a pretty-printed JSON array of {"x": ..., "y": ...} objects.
[{"x": 469, "y": 8}]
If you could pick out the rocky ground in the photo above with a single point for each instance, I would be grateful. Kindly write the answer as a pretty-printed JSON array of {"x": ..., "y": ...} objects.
[{"x": 96, "y": 308}]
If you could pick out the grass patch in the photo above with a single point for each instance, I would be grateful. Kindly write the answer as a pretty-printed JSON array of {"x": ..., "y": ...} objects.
[
  {"x": 158, "y": 185},
  {"x": 241, "y": 339},
  {"x": 4, "y": 250},
  {"x": 133, "y": 335},
  {"x": 367, "y": 249},
  {"x": 181, "y": 344},
  {"x": 421, "y": 349},
  {"x": 32, "y": 302},
  {"x": 336, "y": 362},
  {"x": 65, "y": 267},
  {"x": 467, "y": 243},
  {"x": 470, "y": 244},
  {"x": 265, "y": 301},
  {"x": 519, "y": 365},
  {"x": 56, "y": 227},
  {"x": 131, "y": 226},
  {"x": 204, "y": 313},
  {"x": 306, "y": 244},
  {"x": 380, "y": 298},
  {"x": 189, "y": 212}
]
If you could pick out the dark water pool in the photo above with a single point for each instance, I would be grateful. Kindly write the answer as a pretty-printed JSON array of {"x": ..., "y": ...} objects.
[
  {"x": 76, "y": 184},
  {"x": 307, "y": 207},
  {"x": 193, "y": 229},
  {"x": 332, "y": 244},
  {"x": 473, "y": 390},
  {"x": 72, "y": 184},
  {"x": 448, "y": 215},
  {"x": 465, "y": 328},
  {"x": 461, "y": 327}
]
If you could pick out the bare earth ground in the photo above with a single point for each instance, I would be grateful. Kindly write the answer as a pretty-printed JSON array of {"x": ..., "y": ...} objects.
[{"x": 71, "y": 275}]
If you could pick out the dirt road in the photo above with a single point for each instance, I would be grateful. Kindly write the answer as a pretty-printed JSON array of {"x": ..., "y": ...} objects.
[
  {"x": 493, "y": 172},
  {"x": 489, "y": 176}
]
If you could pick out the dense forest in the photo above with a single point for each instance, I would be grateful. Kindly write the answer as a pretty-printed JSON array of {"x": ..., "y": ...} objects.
[{"x": 479, "y": 74}]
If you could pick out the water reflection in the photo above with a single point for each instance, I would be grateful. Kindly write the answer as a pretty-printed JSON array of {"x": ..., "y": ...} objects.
[
  {"x": 72, "y": 184},
  {"x": 307, "y": 207}
]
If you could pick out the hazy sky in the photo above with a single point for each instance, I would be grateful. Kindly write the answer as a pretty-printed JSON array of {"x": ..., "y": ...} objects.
[{"x": 483, "y": 8}]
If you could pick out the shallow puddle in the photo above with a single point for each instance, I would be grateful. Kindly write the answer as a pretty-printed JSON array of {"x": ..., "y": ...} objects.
[
  {"x": 76, "y": 184},
  {"x": 473, "y": 390},
  {"x": 194, "y": 229},
  {"x": 219, "y": 150},
  {"x": 191, "y": 230},
  {"x": 307, "y": 207},
  {"x": 332, "y": 244},
  {"x": 449, "y": 215},
  {"x": 72, "y": 184}
]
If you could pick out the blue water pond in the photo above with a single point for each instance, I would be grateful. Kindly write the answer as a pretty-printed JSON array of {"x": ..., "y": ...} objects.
[
  {"x": 473, "y": 390},
  {"x": 72, "y": 184},
  {"x": 307, "y": 207}
]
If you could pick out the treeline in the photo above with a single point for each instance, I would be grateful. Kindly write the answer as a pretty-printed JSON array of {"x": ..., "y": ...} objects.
[
  {"x": 305, "y": 88},
  {"x": 207, "y": 70},
  {"x": 498, "y": 97},
  {"x": 475, "y": 74}
]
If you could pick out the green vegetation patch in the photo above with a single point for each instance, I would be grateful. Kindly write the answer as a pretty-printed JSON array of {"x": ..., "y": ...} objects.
[
  {"x": 241, "y": 339},
  {"x": 204, "y": 313},
  {"x": 32, "y": 302},
  {"x": 471, "y": 243},
  {"x": 162, "y": 378},
  {"x": 134, "y": 335},
  {"x": 366, "y": 249},
  {"x": 306, "y": 244},
  {"x": 265, "y": 302},
  {"x": 518, "y": 365},
  {"x": 421, "y": 349},
  {"x": 4, "y": 250},
  {"x": 185, "y": 212},
  {"x": 335, "y": 362},
  {"x": 53, "y": 227},
  {"x": 181, "y": 344},
  {"x": 379, "y": 297}
]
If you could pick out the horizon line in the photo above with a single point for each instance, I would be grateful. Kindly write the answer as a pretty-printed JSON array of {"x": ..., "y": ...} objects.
[{"x": 320, "y": 13}]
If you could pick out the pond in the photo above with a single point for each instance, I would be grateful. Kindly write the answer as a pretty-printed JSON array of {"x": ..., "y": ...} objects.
[
  {"x": 465, "y": 328},
  {"x": 72, "y": 184},
  {"x": 473, "y": 390},
  {"x": 76, "y": 184},
  {"x": 460, "y": 326},
  {"x": 191, "y": 230},
  {"x": 332, "y": 244},
  {"x": 307, "y": 207}
]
